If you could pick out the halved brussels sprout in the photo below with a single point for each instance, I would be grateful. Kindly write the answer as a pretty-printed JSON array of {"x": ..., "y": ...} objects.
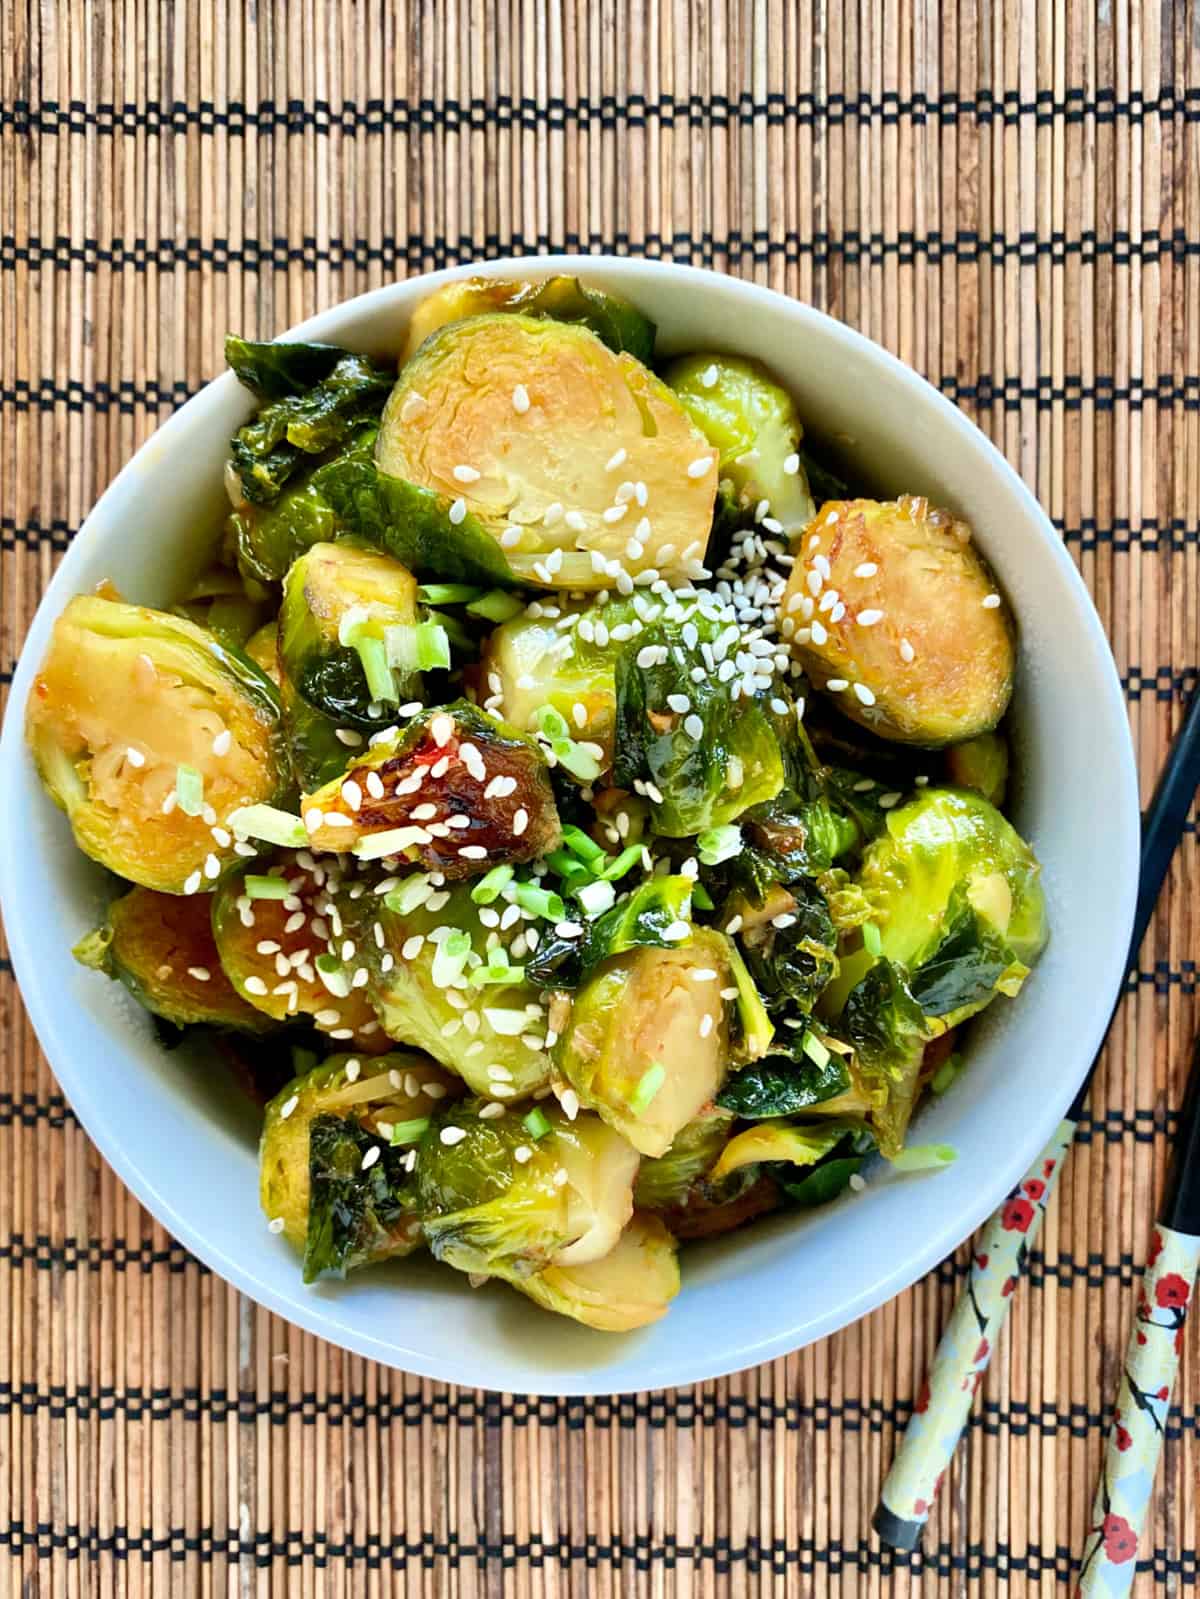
[
  {"x": 891, "y": 610},
  {"x": 263, "y": 649},
  {"x": 632, "y": 1286},
  {"x": 317, "y": 1131},
  {"x": 551, "y": 443},
  {"x": 647, "y": 1043},
  {"x": 982, "y": 764},
  {"x": 346, "y": 618},
  {"x": 284, "y": 947},
  {"x": 508, "y": 1195},
  {"x": 161, "y": 947},
  {"x": 493, "y": 1032},
  {"x": 781, "y": 1141},
  {"x": 148, "y": 732},
  {"x": 455, "y": 791},
  {"x": 753, "y": 423},
  {"x": 620, "y": 325},
  {"x": 665, "y": 1181}
]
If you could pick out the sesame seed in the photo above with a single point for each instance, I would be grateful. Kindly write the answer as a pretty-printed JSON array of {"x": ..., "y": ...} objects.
[
  {"x": 616, "y": 459},
  {"x": 212, "y": 866},
  {"x": 452, "y": 1135},
  {"x": 520, "y": 821},
  {"x": 818, "y": 633},
  {"x": 510, "y": 536},
  {"x": 771, "y": 525},
  {"x": 222, "y": 743},
  {"x": 313, "y": 819},
  {"x": 490, "y": 1111},
  {"x": 288, "y": 1106},
  {"x": 733, "y": 925},
  {"x": 169, "y": 803},
  {"x": 835, "y": 685},
  {"x": 866, "y": 569},
  {"x": 275, "y": 1225},
  {"x": 828, "y": 600},
  {"x": 677, "y": 932},
  {"x": 857, "y": 1182},
  {"x": 569, "y": 1100},
  {"x": 708, "y": 377},
  {"x": 353, "y": 1068},
  {"x": 991, "y": 602},
  {"x": 698, "y": 467},
  {"x": 815, "y": 582},
  {"x": 791, "y": 464},
  {"x": 641, "y": 493},
  {"x": 295, "y": 922},
  {"x": 576, "y": 521},
  {"x": 703, "y": 974},
  {"x": 441, "y": 730},
  {"x": 568, "y": 929},
  {"x": 784, "y": 920},
  {"x": 255, "y": 985},
  {"x": 693, "y": 726},
  {"x": 374, "y": 785},
  {"x": 907, "y": 653},
  {"x": 522, "y": 1154},
  {"x": 868, "y": 618},
  {"x": 886, "y": 801},
  {"x": 352, "y": 794},
  {"x": 706, "y": 1025},
  {"x": 458, "y": 512},
  {"x": 864, "y": 694},
  {"x": 614, "y": 513},
  {"x": 200, "y": 973},
  {"x": 679, "y": 702},
  {"x": 467, "y": 474},
  {"x": 520, "y": 399},
  {"x": 473, "y": 852},
  {"x": 327, "y": 1017},
  {"x": 371, "y": 1156}
]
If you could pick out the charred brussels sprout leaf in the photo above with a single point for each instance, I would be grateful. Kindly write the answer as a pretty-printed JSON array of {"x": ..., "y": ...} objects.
[
  {"x": 339, "y": 604},
  {"x": 665, "y": 1181},
  {"x": 300, "y": 419},
  {"x": 620, "y": 325},
  {"x": 134, "y": 715},
  {"x": 980, "y": 764},
  {"x": 652, "y": 916},
  {"x": 781, "y": 1142},
  {"x": 753, "y": 423},
  {"x": 923, "y": 642},
  {"x": 889, "y": 1032},
  {"x": 971, "y": 963},
  {"x": 630, "y": 1287},
  {"x": 492, "y": 1201},
  {"x": 785, "y": 1085},
  {"x": 454, "y": 791},
  {"x": 561, "y": 470},
  {"x": 792, "y": 955},
  {"x": 435, "y": 953},
  {"x": 705, "y": 766},
  {"x": 354, "y": 1216},
  {"x": 647, "y": 1041},
  {"x": 161, "y": 947}
]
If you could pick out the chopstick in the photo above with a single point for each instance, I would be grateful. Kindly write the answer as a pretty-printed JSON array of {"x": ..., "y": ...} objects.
[
  {"x": 944, "y": 1403},
  {"x": 1139, "y": 1421}
]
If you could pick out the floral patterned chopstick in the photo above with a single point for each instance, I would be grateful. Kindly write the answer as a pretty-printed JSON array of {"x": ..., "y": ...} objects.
[
  {"x": 1155, "y": 1345},
  {"x": 962, "y": 1357}
]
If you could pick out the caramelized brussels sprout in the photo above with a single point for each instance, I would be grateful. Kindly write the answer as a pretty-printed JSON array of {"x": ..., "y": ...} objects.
[
  {"x": 455, "y": 792},
  {"x": 891, "y": 610},
  {"x": 542, "y": 435},
  {"x": 263, "y": 649},
  {"x": 508, "y": 1195},
  {"x": 348, "y": 647},
  {"x": 317, "y": 1131},
  {"x": 444, "y": 982},
  {"x": 630, "y": 1287},
  {"x": 620, "y": 325},
  {"x": 753, "y": 423},
  {"x": 647, "y": 1043},
  {"x": 161, "y": 947},
  {"x": 283, "y": 945},
  {"x": 148, "y": 732},
  {"x": 218, "y": 601},
  {"x": 790, "y": 944},
  {"x": 982, "y": 764},
  {"x": 665, "y": 1181},
  {"x": 781, "y": 1141}
]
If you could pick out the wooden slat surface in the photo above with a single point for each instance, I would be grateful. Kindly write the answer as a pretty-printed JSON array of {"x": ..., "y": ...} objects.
[{"x": 1008, "y": 196}]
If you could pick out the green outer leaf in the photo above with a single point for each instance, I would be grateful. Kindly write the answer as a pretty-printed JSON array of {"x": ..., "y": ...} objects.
[
  {"x": 639, "y": 921},
  {"x": 413, "y": 524},
  {"x": 613, "y": 320},
  {"x": 824, "y": 1182},
  {"x": 274, "y": 370},
  {"x": 965, "y": 969},
  {"x": 352, "y": 1214},
  {"x": 889, "y": 1032},
  {"x": 780, "y": 1086}
]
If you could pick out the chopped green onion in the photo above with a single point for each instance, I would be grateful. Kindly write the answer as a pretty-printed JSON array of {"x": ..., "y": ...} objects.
[
  {"x": 568, "y": 867},
  {"x": 490, "y": 886},
  {"x": 409, "y": 895},
  {"x": 535, "y": 1124},
  {"x": 380, "y": 683},
  {"x": 578, "y": 842},
  {"x": 815, "y": 1049},
  {"x": 647, "y": 1087},
  {"x": 329, "y": 970},
  {"x": 189, "y": 790},
  {"x": 552, "y": 723},
  {"x": 577, "y": 760},
  {"x": 496, "y": 606},
  {"x": 409, "y": 1132},
  {"x": 946, "y": 1073},
  {"x": 454, "y": 630},
  {"x": 448, "y": 593},
  {"x": 503, "y": 975},
  {"x": 266, "y": 887},
  {"x": 450, "y": 958},
  {"x": 701, "y": 898},
  {"x": 374, "y": 846},
  {"x": 719, "y": 844},
  {"x": 622, "y": 863},
  {"x": 540, "y": 901},
  {"x": 596, "y": 897},
  {"x": 417, "y": 647},
  {"x": 273, "y": 826},
  {"x": 872, "y": 942},
  {"x": 925, "y": 1157}
]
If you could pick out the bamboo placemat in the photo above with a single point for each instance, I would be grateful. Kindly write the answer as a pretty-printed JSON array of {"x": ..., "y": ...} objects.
[{"x": 1008, "y": 195}]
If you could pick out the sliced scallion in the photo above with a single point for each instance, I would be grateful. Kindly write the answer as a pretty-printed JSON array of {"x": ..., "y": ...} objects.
[
  {"x": 189, "y": 790},
  {"x": 273, "y": 826},
  {"x": 266, "y": 887}
]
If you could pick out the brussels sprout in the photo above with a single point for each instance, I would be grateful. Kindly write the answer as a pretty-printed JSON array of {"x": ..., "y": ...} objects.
[
  {"x": 148, "y": 732},
  {"x": 263, "y": 649},
  {"x": 567, "y": 661},
  {"x": 455, "y": 791},
  {"x": 781, "y": 1141},
  {"x": 982, "y": 764},
  {"x": 647, "y": 1042},
  {"x": 620, "y": 325},
  {"x": 889, "y": 1032},
  {"x": 555, "y": 481},
  {"x": 346, "y": 612},
  {"x": 753, "y": 423},
  {"x": 161, "y": 947},
  {"x": 314, "y": 397},
  {"x": 664, "y": 1182},
  {"x": 286, "y": 954},
  {"x": 817, "y": 1079},
  {"x": 500, "y": 1200},
  {"x": 704, "y": 766},
  {"x": 440, "y": 983},
  {"x": 891, "y": 610},
  {"x": 316, "y": 1132},
  {"x": 790, "y": 944},
  {"x": 652, "y": 916},
  {"x": 632, "y": 1286},
  {"x": 219, "y": 602}
]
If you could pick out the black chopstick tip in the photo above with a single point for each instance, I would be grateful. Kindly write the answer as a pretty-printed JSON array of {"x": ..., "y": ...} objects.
[{"x": 898, "y": 1531}]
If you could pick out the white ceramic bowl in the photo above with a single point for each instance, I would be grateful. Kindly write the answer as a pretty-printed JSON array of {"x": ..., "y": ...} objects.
[{"x": 187, "y": 1149}]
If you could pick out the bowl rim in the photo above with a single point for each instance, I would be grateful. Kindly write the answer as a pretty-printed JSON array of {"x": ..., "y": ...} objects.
[{"x": 319, "y": 1315}]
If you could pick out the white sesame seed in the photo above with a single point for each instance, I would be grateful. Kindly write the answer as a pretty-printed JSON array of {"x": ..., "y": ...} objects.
[
  {"x": 520, "y": 821},
  {"x": 576, "y": 521},
  {"x": 866, "y": 569},
  {"x": 441, "y": 730},
  {"x": 490, "y": 1111},
  {"x": 522, "y": 1154},
  {"x": 255, "y": 985},
  {"x": 288, "y": 1106},
  {"x": 327, "y": 1017},
  {"x": 510, "y": 536},
  {"x": 569, "y": 1100},
  {"x": 352, "y": 794},
  {"x": 706, "y": 1025},
  {"x": 835, "y": 685},
  {"x": 467, "y": 474},
  {"x": 698, "y": 467},
  {"x": 212, "y": 866},
  {"x": 784, "y": 920},
  {"x": 818, "y": 633},
  {"x": 641, "y": 493},
  {"x": 733, "y": 925},
  {"x": 200, "y": 973},
  {"x": 791, "y": 464},
  {"x": 864, "y": 694},
  {"x": 313, "y": 819},
  {"x": 857, "y": 1182},
  {"x": 452, "y": 1135},
  {"x": 868, "y": 618},
  {"x": 520, "y": 399},
  {"x": 616, "y": 459},
  {"x": 614, "y": 513},
  {"x": 677, "y": 932},
  {"x": 991, "y": 602},
  {"x": 907, "y": 653},
  {"x": 886, "y": 801},
  {"x": 295, "y": 922},
  {"x": 708, "y": 377},
  {"x": 679, "y": 702},
  {"x": 693, "y": 726},
  {"x": 275, "y": 1225},
  {"x": 458, "y": 512},
  {"x": 222, "y": 743},
  {"x": 371, "y": 1156},
  {"x": 828, "y": 600}
]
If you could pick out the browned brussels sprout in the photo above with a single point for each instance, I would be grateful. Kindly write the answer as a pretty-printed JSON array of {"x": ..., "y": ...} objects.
[
  {"x": 161, "y": 947},
  {"x": 982, "y": 764},
  {"x": 620, "y": 325},
  {"x": 893, "y": 612},
  {"x": 149, "y": 732},
  {"x": 630, "y": 1287}
]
